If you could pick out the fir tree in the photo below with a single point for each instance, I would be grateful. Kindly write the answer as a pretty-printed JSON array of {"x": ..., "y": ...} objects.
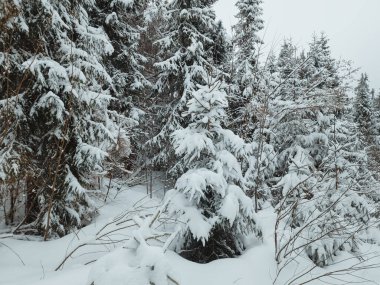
[
  {"x": 246, "y": 31},
  {"x": 64, "y": 95},
  {"x": 221, "y": 48},
  {"x": 323, "y": 67},
  {"x": 290, "y": 88},
  {"x": 124, "y": 23},
  {"x": 245, "y": 75},
  {"x": 322, "y": 78},
  {"x": 363, "y": 111},
  {"x": 209, "y": 197},
  {"x": 182, "y": 65},
  {"x": 320, "y": 164},
  {"x": 14, "y": 152}
]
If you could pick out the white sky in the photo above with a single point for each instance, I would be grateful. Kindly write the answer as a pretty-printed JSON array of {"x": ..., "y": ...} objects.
[{"x": 353, "y": 27}]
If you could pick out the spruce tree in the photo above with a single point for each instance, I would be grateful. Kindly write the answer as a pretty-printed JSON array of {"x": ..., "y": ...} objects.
[
  {"x": 221, "y": 48},
  {"x": 320, "y": 165},
  {"x": 367, "y": 119},
  {"x": 15, "y": 164},
  {"x": 182, "y": 64},
  {"x": 323, "y": 71},
  {"x": 324, "y": 210},
  {"x": 290, "y": 88},
  {"x": 363, "y": 111},
  {"x": 249, "y": 98},
  {"x": 322, "y": 77},
  {"x": 125, "y": 23},
  {"x": 245, "y": 88},
  {"x": 209, "y": 197},
  {"x": 64, "y": 94},
  {"x": 246, "y": 31}
]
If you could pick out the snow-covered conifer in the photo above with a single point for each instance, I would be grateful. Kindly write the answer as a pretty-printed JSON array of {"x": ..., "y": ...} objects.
[
  {"x": 324, "y": 210},
  {"x": 363, "y": 111},
  {"x": 209, "y": 198},
  {"x": 245, "y": 80},
  {"x": 320, "y": 165},
  {"x": 247, "y": 39},
  {"x": 182, "y": 65},
  {"x": 221, "y": 48},
  {"x": 14, "y": 152},
  {"x": 124, "y": 23},
  {"x": 64, "y": 95},
  {"x": 323, "y": 71},
  {"x": 290, "y": 88},
  {"x": 249, "y": 97}
]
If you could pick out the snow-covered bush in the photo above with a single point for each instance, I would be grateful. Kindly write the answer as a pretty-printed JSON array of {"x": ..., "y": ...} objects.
[{"x": 138, "y": 262}]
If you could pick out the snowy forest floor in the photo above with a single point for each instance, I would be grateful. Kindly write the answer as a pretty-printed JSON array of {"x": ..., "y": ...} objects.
[{"x": 33, "y": 262}]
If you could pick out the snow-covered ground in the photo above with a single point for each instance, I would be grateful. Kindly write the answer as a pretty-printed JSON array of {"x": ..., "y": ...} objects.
[{"x": 34, "y": 262}]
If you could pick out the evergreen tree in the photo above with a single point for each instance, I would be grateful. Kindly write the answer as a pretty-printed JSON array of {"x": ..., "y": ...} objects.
[
  {"x": 377, "y": 101},
  {"x": 124, "y": 23},
  {"x": 290, "y": 88},
  {"x": 14, "y": 152},
  {"x": 64, "y": 95},
  {"x": 322, "y": 210},
  {"x": 271, "y": 67},
  {"x": 247, "y": 40},
  {"x": 320, "y": 165},
  {"x": 363, "y": 111},
  {"x": 221, "y": 48},
  {"x": 259, "y": 167},
  {"x": 323, "y": 71},
  {"x": 322, "y": 78},
  {"x": 245, "y": 74},
  {"x": 209, "y": 197},
  {"x": 324, "y": 207},
  {"x": 182, "y": 65},
  {"x": 376, "y": 116},
  {"x": 367, "y": 119}
]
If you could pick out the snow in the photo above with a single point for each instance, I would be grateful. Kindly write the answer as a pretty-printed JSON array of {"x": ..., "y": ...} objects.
[
  {"x": 125, "y": 3},
  {"x": 121, "y": 265},
  {"x": 195, "y": 182},
  {"x": 56, "y": 76},
  {"x": 50, "y": 102},
  {"x": 191, "y": 143},
  {"x": 192, "y": 217}
]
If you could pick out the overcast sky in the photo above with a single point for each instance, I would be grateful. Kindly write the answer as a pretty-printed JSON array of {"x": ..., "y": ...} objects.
[{"x": 353, "y": 27}]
